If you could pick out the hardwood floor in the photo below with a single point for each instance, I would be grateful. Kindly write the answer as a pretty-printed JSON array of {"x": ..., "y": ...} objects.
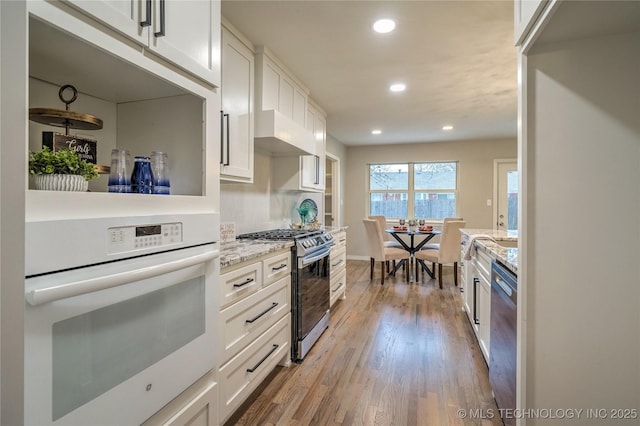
[{"x": 398, "y": 354}]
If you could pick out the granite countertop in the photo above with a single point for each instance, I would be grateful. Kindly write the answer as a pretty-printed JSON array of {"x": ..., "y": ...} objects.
[
  {"x": 239, "y": 251},
  {"x": 334, "y": 229},
  {"x": 508, "y": 256},
  {"x": 497, "y": 234}
]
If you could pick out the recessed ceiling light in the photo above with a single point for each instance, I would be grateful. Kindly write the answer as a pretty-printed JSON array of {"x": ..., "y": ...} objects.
[
  {"x": 376, "y": 132},
  {"x": 447, "y": 127},
  {"x": 384, "y": 26},
  {"x": 398, "y": 87}
]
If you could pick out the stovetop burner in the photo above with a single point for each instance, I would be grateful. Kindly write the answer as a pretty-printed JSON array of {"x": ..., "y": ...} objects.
[{"x": 279, "y": 234}]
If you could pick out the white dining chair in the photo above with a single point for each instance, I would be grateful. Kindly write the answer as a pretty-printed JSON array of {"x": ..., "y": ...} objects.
[
  {"x": 389, "y": 241},
  {"x": 436, "y": 246},
  {"x": 378, "y": 251},
  {"x": 448, "y": 251}
]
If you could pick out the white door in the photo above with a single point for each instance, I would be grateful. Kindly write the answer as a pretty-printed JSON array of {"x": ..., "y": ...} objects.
[{"x": 507, "y": 196}]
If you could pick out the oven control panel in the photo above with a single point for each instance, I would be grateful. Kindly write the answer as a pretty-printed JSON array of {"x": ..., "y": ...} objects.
[{"x": 131, "y": 238}]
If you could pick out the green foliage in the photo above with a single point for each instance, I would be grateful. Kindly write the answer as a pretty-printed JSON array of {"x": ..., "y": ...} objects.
[{"x": 64, "y": 162}]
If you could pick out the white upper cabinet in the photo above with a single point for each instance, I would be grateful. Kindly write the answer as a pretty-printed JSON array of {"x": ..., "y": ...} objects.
[
  {"x": 279, "y": 90},
  {"x": 281, "y": 108},
  {"x": 313, "y": 166},
  {"x": 305, "y": 172},
  {"x": 237, "y": 108},
  {"x": 145, "y": 103},
  {"x": 525, "y": 14},
  {"x": 188, "y": 37}
]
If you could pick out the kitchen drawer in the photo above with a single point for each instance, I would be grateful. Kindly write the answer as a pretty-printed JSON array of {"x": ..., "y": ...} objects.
[
  {"x": 243, "y": 322},
  {"x": 198, "y": 405},
  {"x": 276, "y": 267},
  {"x": 338, "y": 287},
  {"x": 261, "y": 356},
  {"x": 338, "y": 259},
  {"x": 340, "y": 238},
  {"x": 482, "y": 263},
  {"x": 240, "y": 283}
]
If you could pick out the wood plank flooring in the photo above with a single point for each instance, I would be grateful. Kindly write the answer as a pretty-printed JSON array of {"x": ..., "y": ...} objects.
[{"x": 398, "y": 354}]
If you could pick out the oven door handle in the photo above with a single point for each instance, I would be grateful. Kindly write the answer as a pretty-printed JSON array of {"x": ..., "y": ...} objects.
[
  {"x": 78, "y": 288},
  {"x": 307, "y": 260}
]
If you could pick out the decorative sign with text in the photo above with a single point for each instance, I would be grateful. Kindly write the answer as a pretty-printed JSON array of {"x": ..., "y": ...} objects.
[
  {"x": 227, "y": 232},
  {"x": 86, "y": 148}
]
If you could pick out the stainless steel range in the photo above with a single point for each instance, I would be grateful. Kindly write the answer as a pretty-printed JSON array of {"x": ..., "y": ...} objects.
[{"x": 309, "y": 284}]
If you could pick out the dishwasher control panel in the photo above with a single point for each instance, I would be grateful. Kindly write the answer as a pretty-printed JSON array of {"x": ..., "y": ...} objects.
[{"x": 131, "y": 238}]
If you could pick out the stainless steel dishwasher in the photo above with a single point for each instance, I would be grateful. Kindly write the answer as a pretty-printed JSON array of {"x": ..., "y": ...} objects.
[{"x": 502, "y": 365}]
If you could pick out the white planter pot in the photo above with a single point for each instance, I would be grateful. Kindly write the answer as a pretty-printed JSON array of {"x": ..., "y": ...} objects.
[{"x": 61, "y": 182}]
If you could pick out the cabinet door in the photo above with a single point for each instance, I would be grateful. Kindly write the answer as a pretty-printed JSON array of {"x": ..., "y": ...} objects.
[
  {"x": 525, "y": 14},
  {"x": 313, "y": 166},
  {"x": 124, "y": 16},
  {"x": 237, "y": 106},
  {"x": 485, "y": 316},
  {"x": 197, "y": 406},
  {"x": 184, "y": 33},
  {"x": 190, "y": 36}
]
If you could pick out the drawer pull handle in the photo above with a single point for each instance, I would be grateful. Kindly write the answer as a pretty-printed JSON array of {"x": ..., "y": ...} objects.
[
  {"x": 245, "y": 282},
  {"x": 277, "y": 268},
  {"x": 338, "y": 287},
  {"x": 147, "y": 21},
  {"x": 337, "y": 263},
  {"x": 252, "y": 320},
  {"x": 255, "y": 367},
  {"x": 162, "y": 18}
]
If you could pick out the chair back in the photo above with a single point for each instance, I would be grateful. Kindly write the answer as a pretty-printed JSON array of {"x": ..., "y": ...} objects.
[
  {"x": 450, "y": 242},
  {"x": 374, "y": 238},
  {"x": 382, "y": 221},
  {"x": 452, "y": 219}
]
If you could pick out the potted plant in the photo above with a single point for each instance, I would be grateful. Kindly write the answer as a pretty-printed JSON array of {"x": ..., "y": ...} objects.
[{"x": 62, "y": 170}]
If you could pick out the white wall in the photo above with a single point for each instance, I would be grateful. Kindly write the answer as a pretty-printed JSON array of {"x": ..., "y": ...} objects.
[
  {"x": 475, "y": 187},
  {"x": 582, "y": 270}
]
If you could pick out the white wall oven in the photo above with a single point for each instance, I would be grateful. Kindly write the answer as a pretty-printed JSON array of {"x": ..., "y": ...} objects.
[{"x": 120, "y": 318}]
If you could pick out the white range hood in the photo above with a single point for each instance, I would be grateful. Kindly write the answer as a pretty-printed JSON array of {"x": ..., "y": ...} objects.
[{"x": 277, "y": 134}]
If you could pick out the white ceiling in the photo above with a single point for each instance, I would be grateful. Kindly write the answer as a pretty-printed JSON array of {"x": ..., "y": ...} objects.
[{"x": 457, "y": 59}]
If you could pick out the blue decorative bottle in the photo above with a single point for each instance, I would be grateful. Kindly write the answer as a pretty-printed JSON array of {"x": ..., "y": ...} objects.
[{"x": 142, "y": 176}]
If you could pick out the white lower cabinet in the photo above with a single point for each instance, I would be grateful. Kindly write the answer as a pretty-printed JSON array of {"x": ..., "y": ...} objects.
[
  {"x": 244, "y": 372},
  {"x": 482, "y": 300},
  {"x": 245, "y": 321},
  {"x": 255, "y": 326},
  {"x": 338, "y": 287},
  {"x": 196, "y": 406},
  {"x": 338, "y": 268}
]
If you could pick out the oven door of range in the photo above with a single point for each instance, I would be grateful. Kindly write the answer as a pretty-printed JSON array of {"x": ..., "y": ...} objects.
[
  {"x": 312, "y": 291},
  {"x": 115, "y": 342}
]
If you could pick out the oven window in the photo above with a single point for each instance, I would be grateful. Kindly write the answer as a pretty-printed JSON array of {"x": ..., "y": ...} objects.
[
  {"x": 98, "y": 350},
  {"x": 313, "y": 294}
]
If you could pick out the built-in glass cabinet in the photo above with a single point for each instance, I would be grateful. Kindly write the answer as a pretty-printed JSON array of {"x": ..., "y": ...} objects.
[{"x": 145, "y": 103}]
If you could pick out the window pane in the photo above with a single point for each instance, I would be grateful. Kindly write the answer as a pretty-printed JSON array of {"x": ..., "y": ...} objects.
[
  {"x": 429, "y": 205},
  {"x": 388, "y": 176},
  {"x": 435, "y": 176},
  {"x": 391, "y": 205}
]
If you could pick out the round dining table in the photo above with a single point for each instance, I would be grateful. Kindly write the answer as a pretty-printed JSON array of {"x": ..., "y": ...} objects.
[{"x": 412, "y": 247}]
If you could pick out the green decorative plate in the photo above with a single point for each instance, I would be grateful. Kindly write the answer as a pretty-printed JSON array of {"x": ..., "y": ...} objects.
[{"x": 312, "y": 209}]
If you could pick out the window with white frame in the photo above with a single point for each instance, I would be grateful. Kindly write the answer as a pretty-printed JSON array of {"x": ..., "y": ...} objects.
[{"x": 413, "y": 190}]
